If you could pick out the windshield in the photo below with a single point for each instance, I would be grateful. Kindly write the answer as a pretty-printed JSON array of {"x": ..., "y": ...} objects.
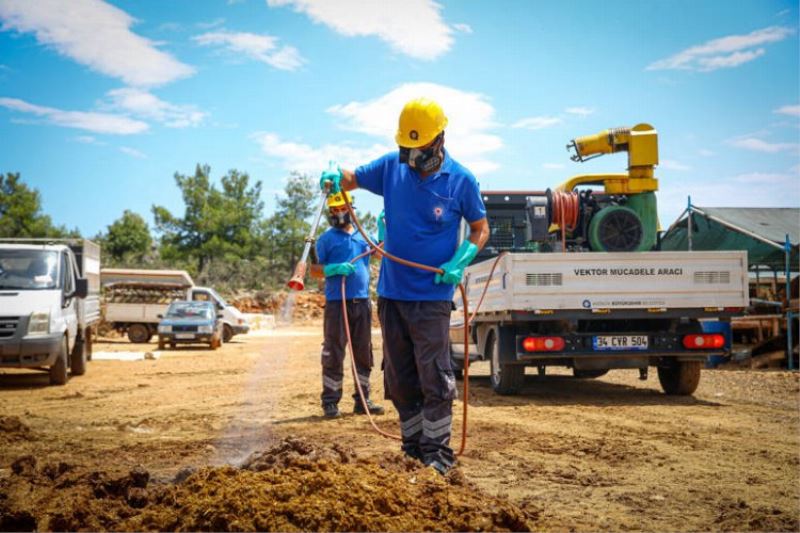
[
  {"x": 189, "y": 310},
  {"x": 28, "y": 270}
]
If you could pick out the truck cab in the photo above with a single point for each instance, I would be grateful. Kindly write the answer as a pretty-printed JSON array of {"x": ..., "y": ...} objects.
[{"x": 49, "y": 305}]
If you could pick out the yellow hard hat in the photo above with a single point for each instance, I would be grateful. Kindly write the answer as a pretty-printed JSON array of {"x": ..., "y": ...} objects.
[
  {"x": 420, "y": 122},
  {"x": 337, "y": 199}
]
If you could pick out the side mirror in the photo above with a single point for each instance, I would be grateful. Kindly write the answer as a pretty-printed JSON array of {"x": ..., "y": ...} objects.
[
  {"x": 81, "y": 288},
  {"x": 159, "y": 316}
]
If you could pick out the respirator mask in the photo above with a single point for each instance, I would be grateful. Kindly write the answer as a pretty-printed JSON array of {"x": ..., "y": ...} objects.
[
  {"x": 424, "y": 160},
  {"x": 339, "y": 220}
]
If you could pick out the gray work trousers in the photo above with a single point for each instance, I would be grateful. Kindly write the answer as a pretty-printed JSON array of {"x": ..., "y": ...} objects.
[
  {"x": 334, "y": 346},
  {"x": 418, "y": 378}
]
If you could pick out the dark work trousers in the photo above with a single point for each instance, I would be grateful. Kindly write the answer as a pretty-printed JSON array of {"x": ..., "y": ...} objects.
[
  {"x": 335, "y": 345},
  {"x": 418, "y": 377}
]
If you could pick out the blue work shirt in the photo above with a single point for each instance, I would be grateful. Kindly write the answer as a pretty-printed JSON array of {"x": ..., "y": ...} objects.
[
  {"x": 338, "y": 246},
  {"x": 422, "y": 221}
]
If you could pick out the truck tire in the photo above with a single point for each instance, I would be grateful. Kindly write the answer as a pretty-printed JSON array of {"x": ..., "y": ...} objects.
[
  {"x": 227, "y": 333},
  {"x": 58, "y": 371},
  {"x": 89, "y": 342},
  {"x": 680, "y": 378},
  {"x": 77, "y": 361},
  {"x": 138, "y": 333},
  {"x": 506, "y": 379},
  {"x": 588, "y": 374}
]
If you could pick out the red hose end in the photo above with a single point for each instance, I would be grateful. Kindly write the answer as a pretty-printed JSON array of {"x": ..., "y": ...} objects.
[{"x": 296, "y": 283}]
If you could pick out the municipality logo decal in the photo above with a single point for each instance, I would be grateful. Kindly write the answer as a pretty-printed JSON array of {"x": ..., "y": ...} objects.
[{"x": 587, "y": 304}]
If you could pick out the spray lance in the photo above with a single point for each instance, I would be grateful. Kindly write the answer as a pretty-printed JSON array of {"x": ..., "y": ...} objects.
[{"x": 296, "y": 282}]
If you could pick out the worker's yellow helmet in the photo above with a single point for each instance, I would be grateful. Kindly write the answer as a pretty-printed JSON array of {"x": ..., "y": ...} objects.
[
  {"x": 420, "y": 122},
  {"x": 337, "y": 199}
]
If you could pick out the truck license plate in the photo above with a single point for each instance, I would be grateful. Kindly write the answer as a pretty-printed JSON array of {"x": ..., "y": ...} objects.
[
  {"x": 184, "y": 335},
  {"x": 620, "y": 342}
]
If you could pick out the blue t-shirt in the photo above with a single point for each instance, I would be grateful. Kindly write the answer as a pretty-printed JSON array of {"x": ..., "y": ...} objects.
[
  {"x": 422, "y": 221},
  {"x": 338, "y": 246}
]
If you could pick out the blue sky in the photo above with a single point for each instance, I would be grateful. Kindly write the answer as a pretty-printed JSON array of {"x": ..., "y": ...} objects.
[{"x": 102, "y": 102}]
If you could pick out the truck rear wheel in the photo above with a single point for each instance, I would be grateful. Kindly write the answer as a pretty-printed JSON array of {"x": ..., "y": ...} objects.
[
  {"x": 680, "y": 378},
  {"x": 138, "y": 333},
  {"x": 506, "y": 379},
  {"x": 77, "y": 362},
  {"x": 58, "y": 371},
  {"x": 227, "y": 333}
]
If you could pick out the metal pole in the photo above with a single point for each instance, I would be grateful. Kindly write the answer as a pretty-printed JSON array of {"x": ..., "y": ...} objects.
[
  {"x": 789, "y": 317},
  {"x": 689, "y": 220},
  {"x": 787, "y": 251}
]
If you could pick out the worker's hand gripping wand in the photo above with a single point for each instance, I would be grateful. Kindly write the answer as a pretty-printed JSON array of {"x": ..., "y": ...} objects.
[{"x": 297, "y": 283}]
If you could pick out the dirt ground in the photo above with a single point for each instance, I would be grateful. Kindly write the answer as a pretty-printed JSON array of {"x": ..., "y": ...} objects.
[{"x": 233, "y": 440}]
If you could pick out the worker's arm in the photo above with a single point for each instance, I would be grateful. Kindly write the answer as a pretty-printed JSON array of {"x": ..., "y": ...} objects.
[
  {"x": 453, "y": 270},
  {"x": 348, "y": 182},
  {"x": 317, "y": 271},
  {"x": 479, "y": 232}
]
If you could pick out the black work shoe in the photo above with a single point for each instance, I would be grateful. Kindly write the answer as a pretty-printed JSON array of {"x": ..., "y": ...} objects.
[
  {"x": 331, "y": 410},
  {"x": 438, "y": 466},
  {"x": 374, "y": 409}
]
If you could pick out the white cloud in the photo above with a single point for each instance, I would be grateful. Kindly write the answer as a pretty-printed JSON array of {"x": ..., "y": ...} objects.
[
  {"x": 725, "y": 52},
  {"x": 470, "y": 121},
  {"x": 262, "y": 48},
  {"x": 791, "y": 110},
  {"x": 553, "y": 166},
  {"x": 765, "y": 178},
  {"x": 133, "y": 152},
  {"x": 309, "y": 159},
  {"x": 85, "y": 139},
  {"x": 671, "y": 164},
  {"x": 759, "y": 145},
  {"x": 145, "y": 105},
  {"x": 96, "y": 34},
  {"x": 536, "y": 123},
  {"x": 411, "y": 27},
  {"x": 705, "y": 152},
  {"x": 91, "y": 121},
  {"x": 463, "y": 28},
  {"x": 580, "y": 111},
  {"x": 210, "y": 24}
]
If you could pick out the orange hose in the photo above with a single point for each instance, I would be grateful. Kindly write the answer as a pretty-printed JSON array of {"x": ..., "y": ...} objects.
[{"x": 375, "y": 248}]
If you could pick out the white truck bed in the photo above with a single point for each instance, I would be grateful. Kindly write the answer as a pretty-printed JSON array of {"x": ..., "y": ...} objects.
[
  {"x": 552, "y": 282},
  {"x": 135, "y": 312}
]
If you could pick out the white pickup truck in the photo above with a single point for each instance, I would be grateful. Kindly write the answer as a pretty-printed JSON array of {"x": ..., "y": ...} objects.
[
  {"x": 49, "y": 304},
  {"x": 134, "y": 299},
  {"x": 595, "y": 311}
]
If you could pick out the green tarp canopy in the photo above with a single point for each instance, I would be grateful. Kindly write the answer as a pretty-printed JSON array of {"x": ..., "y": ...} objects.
[{"x": 760, "y": 231}]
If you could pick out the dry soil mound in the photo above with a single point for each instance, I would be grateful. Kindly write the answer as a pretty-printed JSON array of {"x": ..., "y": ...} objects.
[{"x": 293, "y": 486}]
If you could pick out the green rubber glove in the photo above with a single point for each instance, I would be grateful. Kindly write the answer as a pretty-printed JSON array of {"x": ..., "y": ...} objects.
[
  {"x": 382, "y": 227},
  {"x": 339, "y": 269},
  {"x": 332, "y": 174},
  {"x": 454, "y": 269}
]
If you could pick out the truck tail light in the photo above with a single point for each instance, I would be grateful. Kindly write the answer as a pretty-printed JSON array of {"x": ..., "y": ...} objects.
[
  {"x": 703, "y": 341},
  {"x": 543, "y": 344}
]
